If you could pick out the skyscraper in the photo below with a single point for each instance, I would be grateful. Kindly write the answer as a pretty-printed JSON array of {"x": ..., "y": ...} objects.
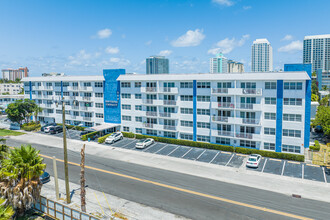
[
  {"x": 219, "y": 64},
  {"x": 262, "y": 56},
  {"x": 317, "y": 52},
  {"x": 157, "y": 65},
  {"x": 13, "y": 74},
  {"x": 235, "y": 67}
]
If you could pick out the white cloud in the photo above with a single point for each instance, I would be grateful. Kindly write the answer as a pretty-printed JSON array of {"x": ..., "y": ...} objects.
[
  {"x": 105, "y": 33},
  {"x": 112, "y": 50},
  {"x": 223, "y": 2},
  {"x": 292, "y": 47},
  {"x": 165, "y": 53},
  {"x": 287, "y": 37},
  {"x": 247, "y": 7},
  {"x": 148, "y": 42},
  {"x": 227, "y": 45},
  {"x": 189, "y": 39},
  {"x": 119, "y": 61}
]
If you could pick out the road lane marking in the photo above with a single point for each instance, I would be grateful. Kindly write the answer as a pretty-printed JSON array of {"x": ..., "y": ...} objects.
[
  {"x": 260, "y": 208},
  {"x": 161, "y": 148},
  {"x": 275, "y": 159},
  {"x": 173, "y": 150},
  {"x": 302, "y": 171},
  {"x": 325, "y": 179},
  {"x": 283, "y": 168},
  {"x": 214, "y": 157},
  {"x": 229, "y": 159},
  {"x": 242, "y": 155},
  {"x": 264, "y": 165},
  {"x": 224, "y": 152},
  {"x": 186, "y": 152},
  {"x": 312, "y": 165},
  {"x": 293, "y": 162},
  {"x": 149, "y": 148},
  {"x": 200, "y": 155}
]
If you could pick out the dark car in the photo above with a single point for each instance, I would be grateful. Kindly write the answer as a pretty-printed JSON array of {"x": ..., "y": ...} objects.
[
  {"x": 55, "y": 129},
  {"x": 84, "y": 132},
  {"x": 47, "y": 125},
  {"x": 44, "y": 178}
]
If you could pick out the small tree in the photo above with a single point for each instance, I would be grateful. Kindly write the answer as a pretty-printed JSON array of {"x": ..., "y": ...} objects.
[
  {"x": 20, "y": 110},
  {"x": 322, "y": 118},
  {"x": 6, "y": 211},
  {"x": 315, "y": 98},
  {"x": 36, "y": 111}
]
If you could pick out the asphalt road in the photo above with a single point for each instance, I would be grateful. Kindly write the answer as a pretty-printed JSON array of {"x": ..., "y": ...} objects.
[{"x": 189, "y": 198}]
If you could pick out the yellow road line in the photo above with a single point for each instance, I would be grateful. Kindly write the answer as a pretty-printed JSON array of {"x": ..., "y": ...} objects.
[
  {"x": 293, "y": 162},
  {"x": 275, "y": 159},
  {"x": 191, "y": 192},
  {"x": 224, "y": 152},
  {"x": 243, "y": 155},
  {"x": 312, "y": 165}
]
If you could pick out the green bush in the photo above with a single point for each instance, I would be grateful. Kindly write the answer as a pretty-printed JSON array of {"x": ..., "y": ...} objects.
[
  {"x": 31, "y": 126},
  {"x": 78, "y": 128},
  {"x": 315, "y": 148},
  {"x": 102, "y": 139},
  {"x": 317, "y": 143},
  {"x": 89, "y": 135}
]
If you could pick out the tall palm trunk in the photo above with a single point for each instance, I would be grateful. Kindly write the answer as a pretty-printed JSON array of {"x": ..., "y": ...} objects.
[{"x": 82, "y": 180}]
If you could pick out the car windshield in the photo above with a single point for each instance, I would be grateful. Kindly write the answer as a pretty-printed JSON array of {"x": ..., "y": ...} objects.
[
  {"x": 141, "y": 141},
  {"x": 252, "y": 159},
  {"x": 112, "y": 135}
]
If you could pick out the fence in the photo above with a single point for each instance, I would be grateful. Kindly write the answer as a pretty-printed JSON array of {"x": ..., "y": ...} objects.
[{"x": 60, "y": 211}]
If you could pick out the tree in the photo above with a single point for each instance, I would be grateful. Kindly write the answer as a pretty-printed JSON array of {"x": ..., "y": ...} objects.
[
  {"x": 325, "y": 101},
  {"x": 36, "y": 111},
  {"x": 20, "y": 110},
  {"x": 324, "y": 88},
  {"x": 315, "y": 98},
  {"x": 322, "y": 118},
  {"x": 314, "y": 73},
  {"x": 315, "y": 88},
  {"x": 6, "y": 211}
]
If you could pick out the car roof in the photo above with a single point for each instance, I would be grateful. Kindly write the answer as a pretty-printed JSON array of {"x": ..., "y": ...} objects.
[{"x": 255, "y": 155}]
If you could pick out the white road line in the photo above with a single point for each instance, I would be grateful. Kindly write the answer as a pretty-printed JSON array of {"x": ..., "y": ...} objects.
[
  {"x": 302, "y": 171},
  {"x": 186, "y": 152},
  {"x": 161, "y": 149},
  {"x": 127, "y": 144},
  {"x": 325, "y": 179},
  {"x": 229, "y": 159},
  {"x": 214, "y": 157},
  {"x": 200, "y": 155},
  {"x": 283, "y": 168},
  {"x": 173, "y": 150},
  {"x": 264, "y": 165}
]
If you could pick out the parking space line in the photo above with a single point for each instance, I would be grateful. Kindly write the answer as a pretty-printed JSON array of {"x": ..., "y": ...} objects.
[
  {"x": 264, "y": 165},
  {"x": 186, "y": 152},
  {"x": 127, "y": 144},
  {"x": 312, "y": 165},
  {"x": 242, "y": 155},
  {"x": 283, "y": 168},
  {"x": 214, "y": 157},
  {"x": 200, "y": 155},
  {"x": 229, "y": 159},
  {"x": 161, "y": 149},
  {"x": 148, "y": 147},
  {"x": 302, "y": 171},
  {"x": 325, "y": 179},
  {"x": 224, "y": 152},
  {"x": 275, "y": 159},
  {"x": 293, "y": 162},
  {"x": 173, "y": 150}
]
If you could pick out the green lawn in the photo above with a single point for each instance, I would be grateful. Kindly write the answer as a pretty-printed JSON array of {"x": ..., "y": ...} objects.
[{"x": 4, "y": 132}]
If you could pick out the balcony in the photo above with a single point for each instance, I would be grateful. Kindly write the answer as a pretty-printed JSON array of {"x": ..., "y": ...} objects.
[
  {"x": 148, "y": 101},
  {"x": 87, "y": 118},
  {"x": 148, "y": 89},
  {"x": 86, "y": 98},
  {"x": 169, "y": 127},
  {"x": 251, "y": 121},
  {"x": 169, "y": 102},
  {"x": 165, "y": 114},
  {"x": 226, "y": 105},
  {"x": 244, "y": 135},
  {"x": 219, "y": 91},
  {"x": 86, "y": 88},
  {"x": 220, "y": 118},
  {"x": 74, "y": 107},
  {"x": 249, "y": 106},
  {"x": 148, "y": 125},
  {"x": 48, "y": 87},
  {"x": 225, "y": 133},
  {"x": 74, "y": 88},
  {"x": 85, "y": 108},
  {"x": 252, "y": 91},
  {"x": 169, "y": 90},
  {"x": 151, "y": 113}
]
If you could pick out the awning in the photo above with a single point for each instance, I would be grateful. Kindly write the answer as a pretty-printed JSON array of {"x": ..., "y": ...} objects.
[{"x": 104, "y": 126}]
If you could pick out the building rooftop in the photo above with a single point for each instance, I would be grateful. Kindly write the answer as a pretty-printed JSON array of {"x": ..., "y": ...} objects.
[
  {"x": 317, "y": 36},
  {"x": 261, "y": 41},
  {"x": 63, "y": 78}
]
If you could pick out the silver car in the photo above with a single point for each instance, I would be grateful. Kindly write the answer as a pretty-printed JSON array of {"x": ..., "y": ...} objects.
[
  {"x": 253, "y": 161},
  {"x": 143, "y": 143}
]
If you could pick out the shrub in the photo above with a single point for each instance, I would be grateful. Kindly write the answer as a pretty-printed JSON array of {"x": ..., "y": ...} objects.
[
  {"x": 315, "y": 148},
  {"x": 317, "y": 143},
  {"x": 102, "y": 139},
  {"x": 31, "y": 126},
  {"x": 89, "y": 135}
]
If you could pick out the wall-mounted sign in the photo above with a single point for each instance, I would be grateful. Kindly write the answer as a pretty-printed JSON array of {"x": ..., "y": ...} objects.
[{"x": 111, "y": 103}]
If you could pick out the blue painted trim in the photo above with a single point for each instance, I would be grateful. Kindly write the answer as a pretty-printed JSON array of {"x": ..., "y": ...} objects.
[
  {"x": 118, "y": 99},
  {"x": 308, "y": 100},
  {"x": 30, "y": 85},
  {"x": 62, "y": 89},
  {"x": 103, "y": 101},
  {"x": 279, "y": 115},
  {"x": 195, "y": 110}
]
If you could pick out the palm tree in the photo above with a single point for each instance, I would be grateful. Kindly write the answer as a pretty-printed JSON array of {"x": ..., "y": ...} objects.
[
  {"x": 19, "y": 176},
  {"x": 37, "y": 110},
  {"x": 6, "y": 211}
]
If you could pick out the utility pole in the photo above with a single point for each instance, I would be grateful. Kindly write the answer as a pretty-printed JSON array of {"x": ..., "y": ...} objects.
[
  {"x": 56, "y": 178},
  {"x": 66, "y": 171},
  {"x": 82, "y": 180}
]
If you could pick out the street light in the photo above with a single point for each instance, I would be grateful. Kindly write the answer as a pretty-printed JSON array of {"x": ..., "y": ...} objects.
[{"x": 66, "y": 171}]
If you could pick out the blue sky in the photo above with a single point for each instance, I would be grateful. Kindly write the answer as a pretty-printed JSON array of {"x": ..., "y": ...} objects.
[{"x": 85, "y": 37}]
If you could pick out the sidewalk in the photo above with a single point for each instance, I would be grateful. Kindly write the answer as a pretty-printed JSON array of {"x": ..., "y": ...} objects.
[{"x": 280, "y": 184}]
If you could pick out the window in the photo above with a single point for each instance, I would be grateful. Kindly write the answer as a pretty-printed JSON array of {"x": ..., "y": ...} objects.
[
  {"x": 58, "y": 111},
  {"x": 293, "y": 85},
  {"x": 186, "y": 136},
  {"x": 99, "y": 105},
  {"x": 57, "y": 93},
  {"x": 138, "y": 96},
  {"x": 203, "y": 111},
  {"x": 186, "y": 123},
  {"x": 66, "y": 94},
  {"x": 290, "y": 148},
  {"x": 270, "y": 116},
  {"x": 99, "y": 95},
  {"x": 126, "y": 95},
  {"x": 75, "y": 113},
  {"x": 270, "y": 101},
  {"x": 188, "y": 111},
  {"x": 126, "y": 118},
  {"x": 270, "y": 85},
  {"x": 98, "y": 84},
  {"x": 169, "y": 134},
  {"x": 57, "y": 84},
  {"x": 126, "y": 107},
  {"x": 126, "y": 129},
  {"x": 269, "y": 146},
  {"x": 138, "y": 107},
  {"x": 248, "y": 85},
  {"x": 292, "y": 101},
  {"x": 138, "y": 119},
  {"x": 220, "y": 140},
  {"x": 269, "y": 131},
  {"x": 99, "y": 115},
  {"x": 186, "y": 98},
  {"x": 151, "y": 132},
  {"x": 291, "y": 117},
  {"x": 49, "y": 93},
  {"x": 224, "y": 85},
  {"x": 138, "y": 130},
  {"x": 87, "y": 84},
  {"x": 65, "y": 84},
  {"x": 137, "y": 84},
  {"x": 186, "y": 85},
  {"x": 291, "y": 133},
  {"x": 126, "y": 85},
  {"x": 202, "y": 98},
  {"x": 88, "y": 124},
  {"x": 75, "y": 94},
  {"x": 75, "y": 84},
  {"x": 203, "y": 85},
  {"x": 203, "y": 138},
  {"x": 203, "y": 125},
  {"x": 251, "y": 144}
]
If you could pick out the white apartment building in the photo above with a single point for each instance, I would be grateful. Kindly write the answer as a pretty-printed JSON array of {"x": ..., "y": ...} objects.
[
  {"x": 11, "y": 88},
  {"x": 5, "y": 100},
  {"x": 262, "y": 56}
]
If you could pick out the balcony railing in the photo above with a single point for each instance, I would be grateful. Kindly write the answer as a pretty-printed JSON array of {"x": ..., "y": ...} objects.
[
  {"x": 246, "y": 106},
  {"x": 225, "y": 133},
  {"x": 169, "y": 89},
  {"x": 216, "y": 91},
  {"x": 250, "y": 121},
  {"x": 148, "y": 101},
  {"x": 252, "y": 91},
  {"x": 87, "y": 118},
  {"x": 226, "y": 105},
  {"x": 169, "y": 102},
  {"x": 151, "y": 89},
  {"x": 84, "y": 108},
  {"x": 151, "y": 113},
  {"x": 148, "y": 125},
  {"x": 165, "y": 114},
  {"x": 244, "y": 135},
  {"x": 170, "y": 127},
  {"x": 49, "y": 105},
  {"x": 87, "y": 98},
  {"x": 75, "y": 107},
  {"x": 220, "y": 118}
]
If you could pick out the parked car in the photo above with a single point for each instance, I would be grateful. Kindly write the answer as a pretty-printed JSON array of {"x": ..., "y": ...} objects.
[
  {"x": 44, "y": 178},
  {"x": 47, "y": 125},
  {"x": 143, "y": 143},
  {"x": 85, "y": 132},
  {"x": 116, "y": 136},
  {"x": 253, "y": 161},
  {"x": 14, "y": 126},
  {"x": 47, "y": 129},
  {"x": 55, "y": 129}
]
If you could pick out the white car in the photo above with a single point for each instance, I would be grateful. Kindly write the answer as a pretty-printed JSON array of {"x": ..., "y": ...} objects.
[
  {"x": 47, "y": 129},
  {"x": 114, "y": 137},
  {"x": 143, "y": 143},
  {"x": 253, "y": 161}
]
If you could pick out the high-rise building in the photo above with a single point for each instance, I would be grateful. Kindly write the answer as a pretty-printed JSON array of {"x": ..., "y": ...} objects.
[
  {"x": 292, "y": 67},
  {"x": 317, "y": 52},
  {"x": 12, "y": 74},
  {"x": 157, "y": 65},
  {"x": 262, "y": 56},
  {"x": 235, "y": 67},
  {"x": 219, "y": 64}
]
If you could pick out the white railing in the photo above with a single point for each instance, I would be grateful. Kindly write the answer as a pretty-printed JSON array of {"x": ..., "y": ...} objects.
[
  {"x": 169, "y": 102},
  {"x": 220, "y": 118},
  {"x": 219, "y": 91}
]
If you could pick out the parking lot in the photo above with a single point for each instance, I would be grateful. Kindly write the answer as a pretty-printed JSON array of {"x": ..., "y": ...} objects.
[{"x": 71, "y": 134}]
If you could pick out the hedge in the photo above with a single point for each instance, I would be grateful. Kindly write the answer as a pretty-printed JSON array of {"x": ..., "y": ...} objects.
[
  {"x": 241, "y": 150},
  {"x": 102, "y": 139},
  {"x": 31, "y": 126},
  {"x": 78, "y": 128},
  {"x": 89, "y": 135}
]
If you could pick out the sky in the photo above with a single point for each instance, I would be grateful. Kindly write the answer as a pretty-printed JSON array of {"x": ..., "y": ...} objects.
[{"x": 80, "y": 37}]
